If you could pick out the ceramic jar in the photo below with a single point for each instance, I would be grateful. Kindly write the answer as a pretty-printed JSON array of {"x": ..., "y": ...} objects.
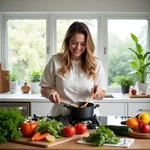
[
  {"x": 13, "y": 86},
  {"x": 25, "y": 88}
]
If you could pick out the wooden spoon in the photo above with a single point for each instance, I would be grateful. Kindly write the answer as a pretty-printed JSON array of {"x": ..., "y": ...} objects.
[
  {"x": 84, "y": 105},
  {"x": 73, "y": 105}
]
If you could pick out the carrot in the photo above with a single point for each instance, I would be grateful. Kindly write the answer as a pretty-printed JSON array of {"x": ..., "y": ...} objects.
[
  {"x": 36, "y": 134},
  {"x": 42, "y": 136}
]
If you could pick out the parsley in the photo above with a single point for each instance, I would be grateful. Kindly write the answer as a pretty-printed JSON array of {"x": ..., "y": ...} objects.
[
  {"x": 10, "y": 121},
  {"x": 101, "y": 136}
]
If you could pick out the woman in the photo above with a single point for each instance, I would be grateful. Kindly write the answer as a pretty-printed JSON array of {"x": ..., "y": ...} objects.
[{"x": 74, "y": 73}]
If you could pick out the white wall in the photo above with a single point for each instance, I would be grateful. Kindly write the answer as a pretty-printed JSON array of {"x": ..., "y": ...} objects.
[{"x": 75, "y": 5}]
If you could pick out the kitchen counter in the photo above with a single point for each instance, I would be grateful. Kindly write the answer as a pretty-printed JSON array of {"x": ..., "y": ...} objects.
[
  {"x": 138, "y": 144},
  {"x": 117, "y": 97}
]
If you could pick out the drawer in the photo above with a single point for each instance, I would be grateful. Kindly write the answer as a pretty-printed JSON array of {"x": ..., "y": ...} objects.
[
  {"x": 112, "y": 109},
  {"x": 136, "y": 108}
]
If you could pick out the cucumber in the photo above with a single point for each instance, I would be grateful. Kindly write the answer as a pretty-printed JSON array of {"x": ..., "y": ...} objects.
[{"x": 120, "y": 130}]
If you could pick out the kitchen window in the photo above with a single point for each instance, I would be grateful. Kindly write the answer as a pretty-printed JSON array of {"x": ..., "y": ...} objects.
[
  {"x": 26, "y": 46},
  {"x": 119, "y": 40},
  {"x": 29, "y": 42}
]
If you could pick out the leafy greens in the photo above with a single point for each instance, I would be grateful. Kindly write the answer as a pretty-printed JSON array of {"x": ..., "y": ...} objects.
[
  {"x": 52, "y": 126},
  {"x": 101, "y": 136},
  {"x": 10, "y": 121}
]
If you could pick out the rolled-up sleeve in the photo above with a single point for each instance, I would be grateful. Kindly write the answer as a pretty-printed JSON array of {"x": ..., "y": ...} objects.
[{"x": 48, "y": 77}]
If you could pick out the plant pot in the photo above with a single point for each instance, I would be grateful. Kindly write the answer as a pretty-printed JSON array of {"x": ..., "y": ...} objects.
[
  {"x": 13, "y": 86},
  {"x": 35, "y": 88},
  {"x": 142, "y": 87},
  {"x": 125, "y": 89}
]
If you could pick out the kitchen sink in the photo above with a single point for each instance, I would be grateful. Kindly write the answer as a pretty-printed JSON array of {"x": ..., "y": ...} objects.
[{"x": 109, "y": 96}]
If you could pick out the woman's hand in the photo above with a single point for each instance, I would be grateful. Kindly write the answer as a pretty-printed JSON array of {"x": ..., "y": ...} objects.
[
  {"x": 51, "y": 94},
  {"x": 98, "y": 92},
  {"x": 54, "y": 97}
]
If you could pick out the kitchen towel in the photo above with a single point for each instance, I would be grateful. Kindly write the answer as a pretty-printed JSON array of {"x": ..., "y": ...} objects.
[{"x": 124, "y": 142}]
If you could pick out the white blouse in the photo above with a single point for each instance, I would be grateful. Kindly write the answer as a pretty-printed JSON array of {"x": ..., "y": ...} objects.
[{"x": 76, "y": 86}]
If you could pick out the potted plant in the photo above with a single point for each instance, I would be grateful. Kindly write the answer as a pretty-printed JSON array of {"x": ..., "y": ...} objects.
[
  {"x": 35, "y": 78},
  {"x": 12, "y": 77},
  {"x": 125, "y": 82},
  {"x": 140, "y": 63}
]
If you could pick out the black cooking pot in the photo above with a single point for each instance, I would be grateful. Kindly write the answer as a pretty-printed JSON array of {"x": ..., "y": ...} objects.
[{"x": 82, "y": 113}]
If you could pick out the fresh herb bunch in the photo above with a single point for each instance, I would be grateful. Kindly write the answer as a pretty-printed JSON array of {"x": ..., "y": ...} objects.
[
  {"x": 52, "y": 126},
  {"x": 35, "y": 76},
  {"x": 124, "y": 80},
  {"x": 10, "y": 121},
  {"x": 102, "y": 136}
]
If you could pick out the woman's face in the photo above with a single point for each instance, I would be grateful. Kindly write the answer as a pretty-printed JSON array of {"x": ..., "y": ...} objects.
[{"x": 77, "y": 45}]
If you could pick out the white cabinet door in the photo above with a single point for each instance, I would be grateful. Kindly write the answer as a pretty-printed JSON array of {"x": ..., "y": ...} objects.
[
  {"x": 136, "y": 108},
  {"x": 112, "y": 109},
  {"x": 41, "y": 109}
]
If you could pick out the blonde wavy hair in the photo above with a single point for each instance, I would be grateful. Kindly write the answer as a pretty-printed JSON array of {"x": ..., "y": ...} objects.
[{"x": 88, "y": 63}]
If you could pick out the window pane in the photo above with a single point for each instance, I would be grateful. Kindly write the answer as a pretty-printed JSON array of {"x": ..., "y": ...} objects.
[
  {"x": 26, "y": 46},
  {"x": 63, "y": 25},
  {"x": 119, "y": 41}
]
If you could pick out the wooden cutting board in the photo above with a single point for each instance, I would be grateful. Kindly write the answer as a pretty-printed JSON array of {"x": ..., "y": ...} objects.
[
  {"x": 45, "y": 143},
  {"x": 139, "y": 135},
  {"x": 137, "y": 96},
  {"x": 4, "y": 84}
]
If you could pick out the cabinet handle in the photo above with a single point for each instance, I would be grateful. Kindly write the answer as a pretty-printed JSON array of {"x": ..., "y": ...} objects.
[
  {"x": 21, "y": 108},
  {"x": 144, "y": 110}
]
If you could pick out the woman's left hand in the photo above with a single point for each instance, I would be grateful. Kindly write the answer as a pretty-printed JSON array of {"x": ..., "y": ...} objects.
[{"x": 98, "y": 92}]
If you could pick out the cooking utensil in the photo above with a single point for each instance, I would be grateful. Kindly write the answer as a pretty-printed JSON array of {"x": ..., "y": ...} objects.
[
  {"x": 84, "y": 105},
  {"x": 73, "y": 105},
  {"x": 82, "y": 113}
]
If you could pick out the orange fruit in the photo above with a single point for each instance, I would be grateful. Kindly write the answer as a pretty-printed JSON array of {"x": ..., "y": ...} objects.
[
  {"x": 132, "y": 123},
  {"x": 144, "y": 117}
]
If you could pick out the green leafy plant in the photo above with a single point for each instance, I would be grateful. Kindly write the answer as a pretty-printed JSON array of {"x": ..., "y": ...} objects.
[
  {"x": 124, "y": 80},
  {"x": 140, "y": 62},
  {"x": 12, "y": 76},
  {"x": 10, "y": 121},
  {"x": 35, "y": 76}
]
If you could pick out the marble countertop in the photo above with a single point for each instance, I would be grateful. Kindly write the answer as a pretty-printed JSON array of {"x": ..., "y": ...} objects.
[{"x": 117, "y": 97}]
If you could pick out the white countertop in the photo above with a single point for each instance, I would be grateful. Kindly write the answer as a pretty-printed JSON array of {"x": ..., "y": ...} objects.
[{"x": 118, "y": 98}]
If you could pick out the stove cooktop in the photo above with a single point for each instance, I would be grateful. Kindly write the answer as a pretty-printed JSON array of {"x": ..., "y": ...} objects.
[{"x": 91, "y": 123}]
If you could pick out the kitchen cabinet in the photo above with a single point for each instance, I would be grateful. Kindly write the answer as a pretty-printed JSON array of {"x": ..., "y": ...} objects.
[
  {"x": 41, "y": 108},
  {"x": 136, "y": 108},
  {"x": 105, "y": 109},
  {"x": 112, "y": 109}
]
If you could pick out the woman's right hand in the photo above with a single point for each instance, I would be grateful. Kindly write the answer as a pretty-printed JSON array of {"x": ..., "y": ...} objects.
[{"x": 54, "y": 97}]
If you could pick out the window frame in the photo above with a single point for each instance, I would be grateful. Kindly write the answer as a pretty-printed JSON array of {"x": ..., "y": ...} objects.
[
  {"x": 51, "y": 17},
  {"x": 121, "y": 17}
]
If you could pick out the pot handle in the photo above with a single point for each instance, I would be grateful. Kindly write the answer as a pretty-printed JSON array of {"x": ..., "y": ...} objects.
[{"x": 97, "y": 105}]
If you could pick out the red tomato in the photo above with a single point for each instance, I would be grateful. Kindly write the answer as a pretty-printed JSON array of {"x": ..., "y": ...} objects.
[
  {"x": 69, "y": 131},
  {"x": 80, "y": 128},
  {"x": 28, "y": 128},
  {"x": 133, "y": 91},
  {"x": 144, "y": 128}
]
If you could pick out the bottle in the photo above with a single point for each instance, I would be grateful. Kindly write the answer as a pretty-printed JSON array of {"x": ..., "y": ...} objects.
[{"x": 25, "y": 88}]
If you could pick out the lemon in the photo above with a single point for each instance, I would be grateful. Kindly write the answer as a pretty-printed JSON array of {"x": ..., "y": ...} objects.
[{"x": 50, "y": 138}]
